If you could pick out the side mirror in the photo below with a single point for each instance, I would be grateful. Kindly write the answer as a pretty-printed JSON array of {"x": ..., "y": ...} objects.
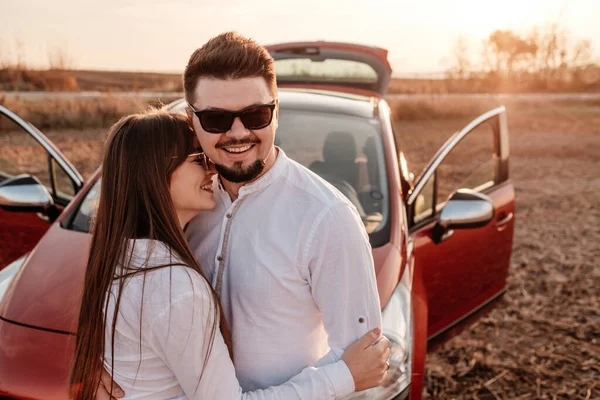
[
  {"x": 24, "y": 193},
  {"x": 466, "y": 209}
]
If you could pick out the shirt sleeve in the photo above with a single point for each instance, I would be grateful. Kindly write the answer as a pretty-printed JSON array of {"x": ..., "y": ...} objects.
[
  {"x": 181, "y": 334},
  {"x": 342, "y": 278}
]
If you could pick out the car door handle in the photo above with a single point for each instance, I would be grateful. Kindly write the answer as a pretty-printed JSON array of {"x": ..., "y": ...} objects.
[{"x": 503, "y": 220}]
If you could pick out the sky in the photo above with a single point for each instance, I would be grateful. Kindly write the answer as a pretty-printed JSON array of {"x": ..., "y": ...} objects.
[{"x": 160, "y": 35}]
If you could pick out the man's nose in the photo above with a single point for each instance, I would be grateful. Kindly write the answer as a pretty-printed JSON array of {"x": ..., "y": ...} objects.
[{"x": 238, "y": 130}]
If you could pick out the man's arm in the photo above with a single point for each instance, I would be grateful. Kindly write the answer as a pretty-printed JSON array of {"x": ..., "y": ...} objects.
[{"x": 342, "y": 277}]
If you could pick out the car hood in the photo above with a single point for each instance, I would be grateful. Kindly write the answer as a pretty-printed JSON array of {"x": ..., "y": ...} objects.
[{"x": 47, "y": 291}]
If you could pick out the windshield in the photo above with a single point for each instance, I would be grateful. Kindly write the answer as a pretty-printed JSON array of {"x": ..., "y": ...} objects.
[{"x": 344, "y": 150}]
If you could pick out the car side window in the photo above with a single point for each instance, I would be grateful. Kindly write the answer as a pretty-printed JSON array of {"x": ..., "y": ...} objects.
[
  {"x": 425, "y": 201},
  {"x": 471, "y": 164},
  {"x": 62, "y": 182},
  {"x": 82, "y": 221},
  {"x": 20, "y": 154}
]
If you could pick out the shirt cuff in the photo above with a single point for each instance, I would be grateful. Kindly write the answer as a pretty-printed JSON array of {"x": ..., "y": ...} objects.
[{"x": 340, "y": 377}]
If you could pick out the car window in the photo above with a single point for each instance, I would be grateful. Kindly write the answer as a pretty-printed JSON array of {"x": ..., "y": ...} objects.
[
  {"x": 470, "y": 164},
  {"x": 344, "y": 150},
  {"x": 330, "y": 70},
  {"x": 82, "y": 220},
  {"x": 20, "y": 153},
  {"x": 425, "y": 201},
  {"x": 63, "y": 184}
]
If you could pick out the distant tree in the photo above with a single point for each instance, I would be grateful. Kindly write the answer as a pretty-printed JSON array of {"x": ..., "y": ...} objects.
[
  {"x": 461, "y": 63},
  {"x": 505, "y": 52},
  {"x": 558, "y": 54}
]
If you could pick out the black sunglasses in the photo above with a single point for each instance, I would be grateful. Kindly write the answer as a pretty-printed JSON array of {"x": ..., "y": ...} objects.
[{"x": 220, "y": 121}]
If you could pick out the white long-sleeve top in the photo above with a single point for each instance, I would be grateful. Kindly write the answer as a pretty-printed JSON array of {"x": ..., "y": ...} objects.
[
  {"x": 162, "y": 335},
  {"x": 291, "y": 262}
]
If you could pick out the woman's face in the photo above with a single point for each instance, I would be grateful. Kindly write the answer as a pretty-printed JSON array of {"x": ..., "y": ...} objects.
[{"x": 191, "y": 187}]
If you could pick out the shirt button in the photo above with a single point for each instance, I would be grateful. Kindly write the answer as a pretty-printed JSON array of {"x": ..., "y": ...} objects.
[
  {"x": 220, "y": 258},
  {"x": 228, "y": 215}
]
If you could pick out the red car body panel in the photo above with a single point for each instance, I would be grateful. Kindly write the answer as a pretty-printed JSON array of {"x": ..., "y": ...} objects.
[
  {"x": 19, "y": 234},
  {"x": 54, "y": 278},
  {"x": 34, "y": 364},
  {"x": 448, "y": 267}
]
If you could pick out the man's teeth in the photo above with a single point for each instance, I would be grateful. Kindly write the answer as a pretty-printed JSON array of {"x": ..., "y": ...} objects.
[
  {"x": 238, "y": 149},
  {"x": 206, "y": 187}
]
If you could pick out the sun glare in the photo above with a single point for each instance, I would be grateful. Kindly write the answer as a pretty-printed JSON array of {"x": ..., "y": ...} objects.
[{"x": 479, "y": 18}]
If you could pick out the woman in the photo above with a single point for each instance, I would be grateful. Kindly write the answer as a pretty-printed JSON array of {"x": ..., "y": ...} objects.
[{"x": 148, "y": 314}]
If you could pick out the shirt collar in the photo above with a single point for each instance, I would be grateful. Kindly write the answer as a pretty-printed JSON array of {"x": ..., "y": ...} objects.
[{"x": 277, "y": 169}]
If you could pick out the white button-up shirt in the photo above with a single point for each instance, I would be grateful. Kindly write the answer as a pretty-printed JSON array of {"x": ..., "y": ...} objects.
[
  {"x": 294, "y": 271},
  {"x": 163, "y": 334}
]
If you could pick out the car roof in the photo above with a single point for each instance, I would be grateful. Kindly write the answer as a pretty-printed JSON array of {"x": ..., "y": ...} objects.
[{"x": 328, "y": 102}]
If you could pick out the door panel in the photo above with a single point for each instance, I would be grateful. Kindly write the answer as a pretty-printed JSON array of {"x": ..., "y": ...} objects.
[
  {"x": 470, "y": 266},
  {"x": 24, "y": 150}
]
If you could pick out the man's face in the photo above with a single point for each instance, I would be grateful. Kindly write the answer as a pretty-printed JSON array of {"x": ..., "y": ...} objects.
[{"x": 237, "y": 153}]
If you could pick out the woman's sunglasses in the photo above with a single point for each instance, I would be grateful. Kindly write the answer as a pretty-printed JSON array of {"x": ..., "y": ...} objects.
[
  {"x": 200, "y": 158},
  {"x": 220, "y": 121}
]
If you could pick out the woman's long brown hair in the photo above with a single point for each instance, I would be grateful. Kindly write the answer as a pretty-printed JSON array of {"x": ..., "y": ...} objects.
[{"x": 142, "y": 152}]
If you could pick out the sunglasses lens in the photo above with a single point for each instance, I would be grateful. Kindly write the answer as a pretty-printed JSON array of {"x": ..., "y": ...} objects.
[
  {"x": 257, "y": 117},
  {"x": 216, "y": 121}
]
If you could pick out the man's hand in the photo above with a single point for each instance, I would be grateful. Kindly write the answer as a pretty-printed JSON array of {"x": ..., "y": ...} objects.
[
  {"x": 103, "y": 393},
  {"x": 367, "y": 360}
]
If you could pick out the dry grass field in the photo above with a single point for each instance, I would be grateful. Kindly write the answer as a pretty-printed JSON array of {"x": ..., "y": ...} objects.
[
  {"x": 58, "y": 80},
  {"x": 543, "y": 340},
  {"x": 26, "y": 79}
]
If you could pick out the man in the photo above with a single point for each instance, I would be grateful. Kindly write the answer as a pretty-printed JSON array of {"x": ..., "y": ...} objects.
[{"x": 287, "y": 253}]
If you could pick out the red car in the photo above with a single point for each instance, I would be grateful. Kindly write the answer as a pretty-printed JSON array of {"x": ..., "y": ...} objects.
[{"x": 441, "y": 242}]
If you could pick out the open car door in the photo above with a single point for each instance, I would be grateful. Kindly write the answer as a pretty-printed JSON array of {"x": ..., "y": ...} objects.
[
  {"x": 34, "y": 176},
  {"x": 333, "y": 66},
  {"x": 461, "y": 219}
]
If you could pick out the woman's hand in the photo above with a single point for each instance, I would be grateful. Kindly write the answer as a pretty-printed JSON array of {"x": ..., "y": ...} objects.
[
  {"x": 106, "y": 382},
  {"x": 367, "y": 360}
]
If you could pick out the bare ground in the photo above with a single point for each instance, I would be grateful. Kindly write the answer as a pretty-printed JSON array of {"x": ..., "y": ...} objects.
[{"x": 543, "y": 340}]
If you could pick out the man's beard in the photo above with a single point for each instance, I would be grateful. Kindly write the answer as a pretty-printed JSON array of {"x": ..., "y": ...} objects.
[{"x": 238, "y": 173}]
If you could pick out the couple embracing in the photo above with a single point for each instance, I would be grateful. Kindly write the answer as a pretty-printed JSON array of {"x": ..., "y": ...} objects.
[{"x": 219, "y": 268}]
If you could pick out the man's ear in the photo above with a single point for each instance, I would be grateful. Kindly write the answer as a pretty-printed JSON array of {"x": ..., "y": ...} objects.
[{"x": 276, "y": 116}]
